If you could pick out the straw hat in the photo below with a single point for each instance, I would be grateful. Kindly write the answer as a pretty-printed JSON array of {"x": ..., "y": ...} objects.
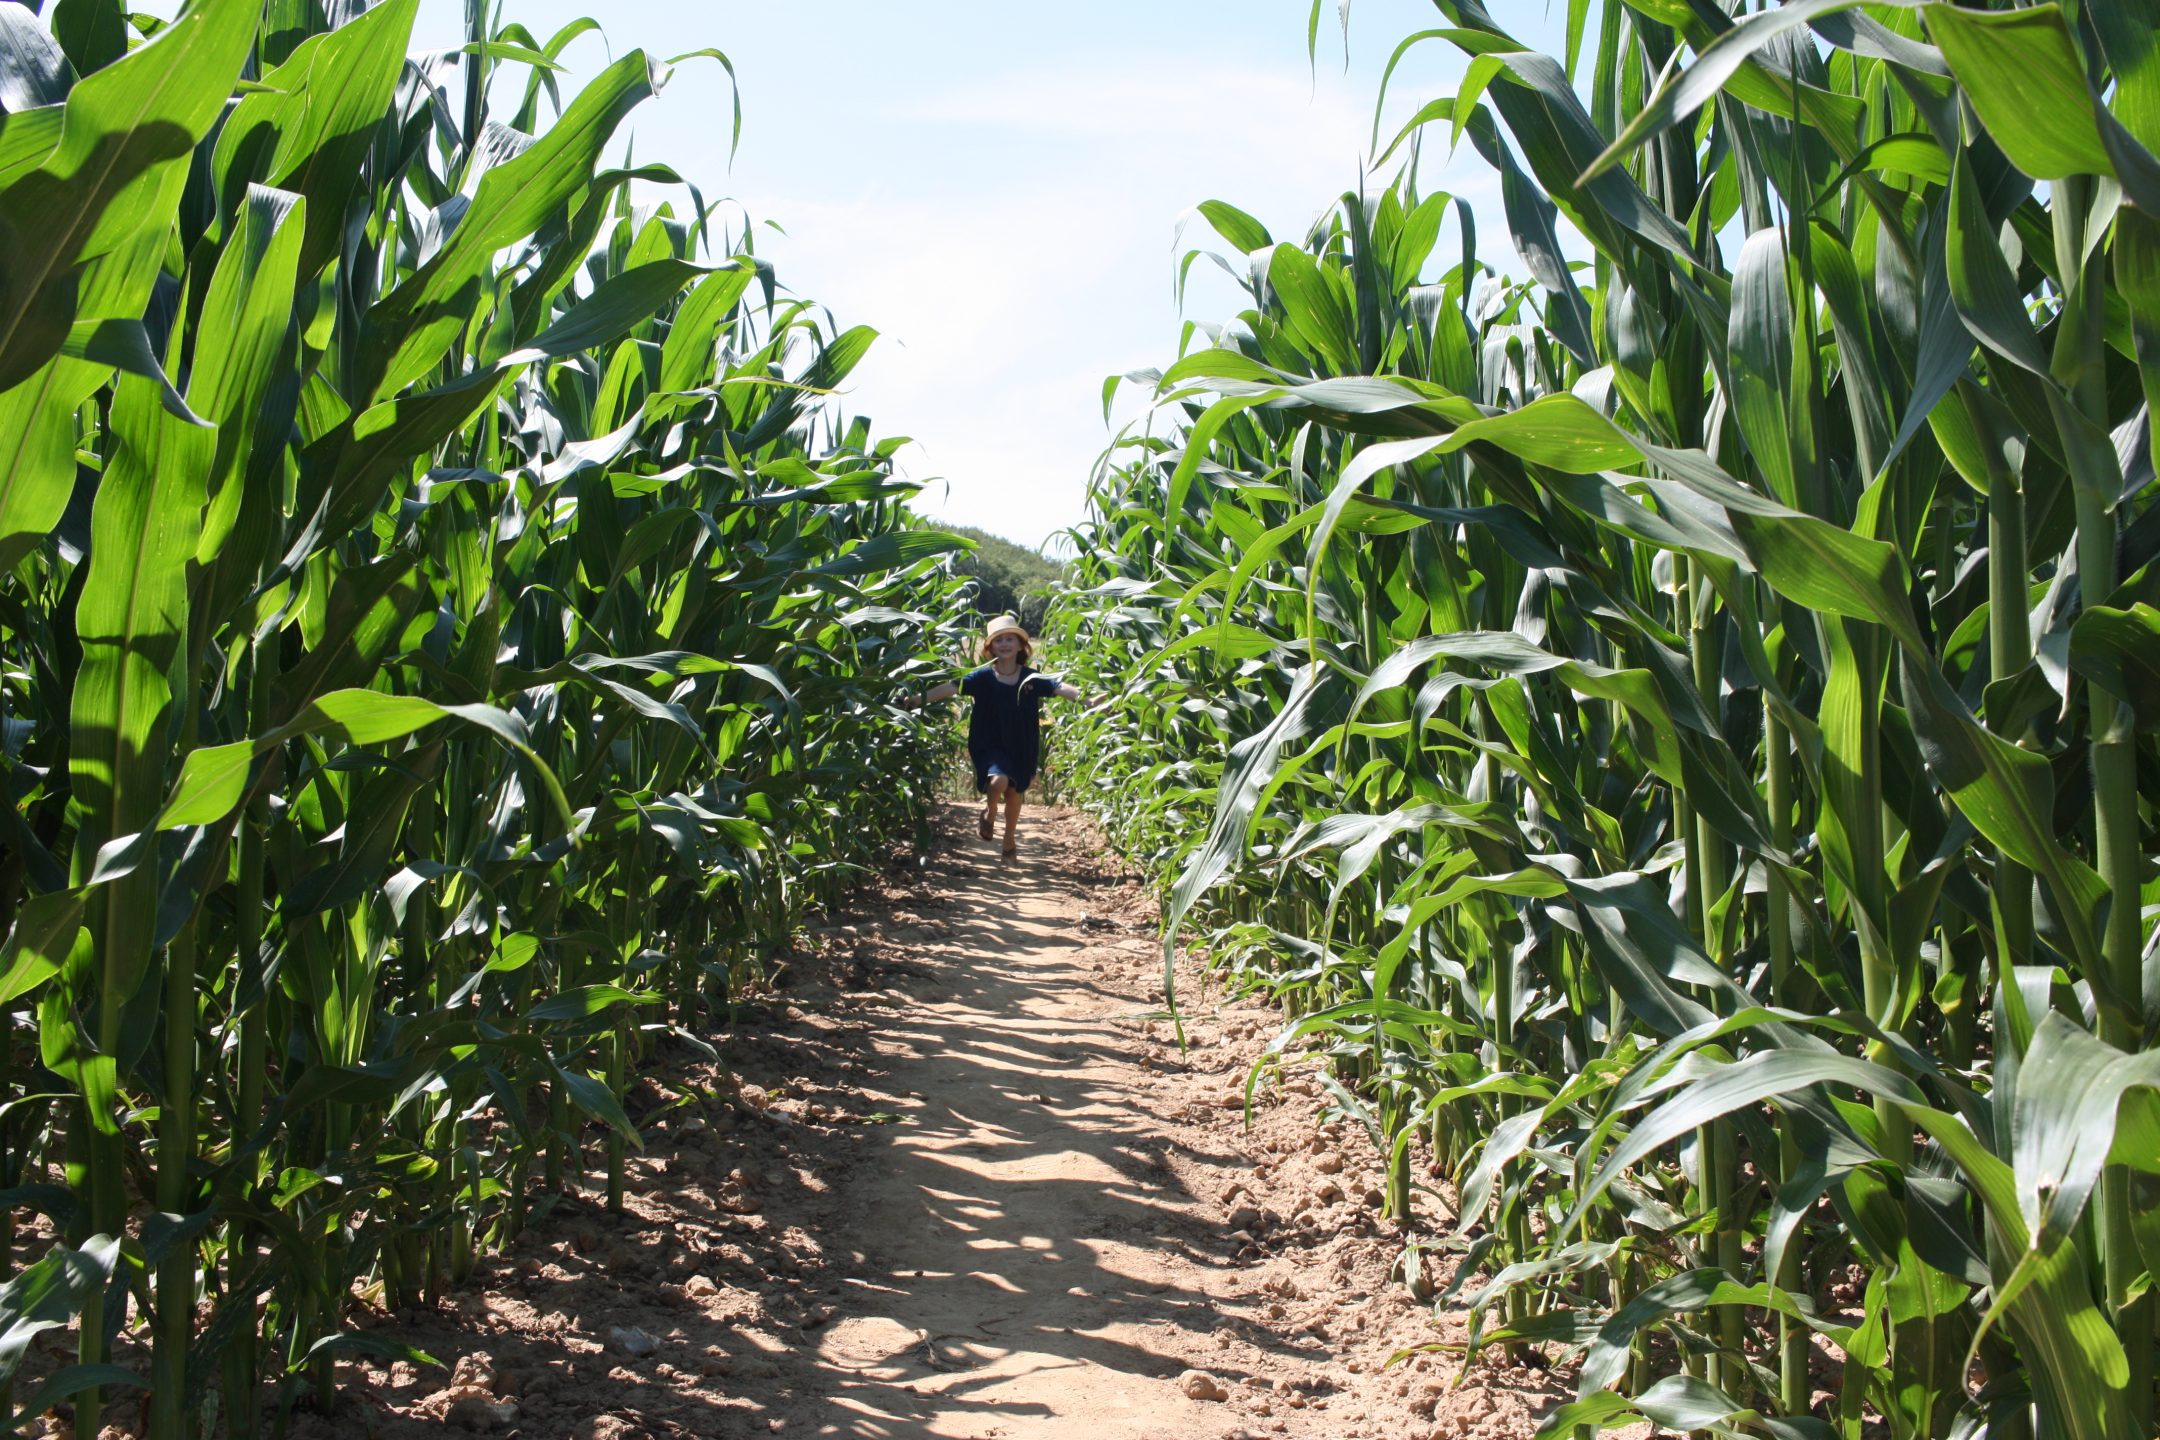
[{"x": 1005, "y": 625}]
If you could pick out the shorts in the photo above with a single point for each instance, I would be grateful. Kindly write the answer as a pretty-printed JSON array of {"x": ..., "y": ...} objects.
[{"x": 995, "y": 764}]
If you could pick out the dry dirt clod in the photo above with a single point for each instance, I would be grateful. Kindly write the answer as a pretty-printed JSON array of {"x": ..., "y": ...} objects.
[
  {"x": 1328, "y": 1162},
  {"x": 474, "y": 1371},
  {"x": 1199, "y": 1385}
]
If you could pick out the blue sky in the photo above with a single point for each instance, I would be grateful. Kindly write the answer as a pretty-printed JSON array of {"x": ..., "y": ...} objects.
[{"x": 995, "y": 187}]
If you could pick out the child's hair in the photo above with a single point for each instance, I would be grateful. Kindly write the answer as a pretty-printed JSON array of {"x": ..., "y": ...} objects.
[{"x": 1027, "y": 646}]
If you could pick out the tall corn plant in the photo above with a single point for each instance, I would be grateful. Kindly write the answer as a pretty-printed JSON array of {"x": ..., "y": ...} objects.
[
  {"x": 443, "y": 619},
  {"x": 1678, "y": 726}
]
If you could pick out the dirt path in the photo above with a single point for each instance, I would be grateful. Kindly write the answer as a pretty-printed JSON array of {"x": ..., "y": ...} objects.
[{"x": 957, "y": 1182}]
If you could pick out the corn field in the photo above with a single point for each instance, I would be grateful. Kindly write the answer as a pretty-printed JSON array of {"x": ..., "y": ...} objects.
[
  {"x": 442, "y": 627},
  {"x": 1677, "y": 729}
]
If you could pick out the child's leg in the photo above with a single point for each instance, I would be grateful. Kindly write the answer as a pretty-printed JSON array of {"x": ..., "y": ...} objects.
[
  {"x": 1013, "y": 800},
  {"x": 993, "y": 797}
]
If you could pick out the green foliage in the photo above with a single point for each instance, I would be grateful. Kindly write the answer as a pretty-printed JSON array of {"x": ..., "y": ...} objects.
[
  {"x": 443, "y": 644},
  {"x": 1670, "y": 723}
]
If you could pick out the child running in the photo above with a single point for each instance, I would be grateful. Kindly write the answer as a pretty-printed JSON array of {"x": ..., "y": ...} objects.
[{"x": 1005, "y": 727}]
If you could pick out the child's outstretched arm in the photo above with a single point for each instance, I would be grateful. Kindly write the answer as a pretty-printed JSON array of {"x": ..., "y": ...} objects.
[
  {"x": 944, "y": 690},
  {"x": 1067, "y": 691}
]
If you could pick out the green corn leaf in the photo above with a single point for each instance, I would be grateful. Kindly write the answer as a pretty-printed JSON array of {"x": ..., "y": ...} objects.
[
  {"x": 37, "y": 452},
  {"x": 349, "y": 1342},
  {"x": 27, "y": 137},
  {"x": 2064, "y": 1124},
  {"x": 1316, "y": 306},
  {"x": 213, "y": 780},
  {"x": 588, "y": 1001},
  {"x": 50, "y": 1293},
  {"x": 2007, "y": 792},
  {"x": 687, "y": 354},
  {"x": 1757, "y": 1078},
  {"x": 1760, "y": 338},
  {"x": 38, "y": 943},
  {"x": 2127, "y": 37},
  {"x": 70, "y": 1381},
  {"x": 309, "y": 128},
  {"x": 34, "y": 70},
  {"x": 241, "y": 336},
  {"x": 93, "y": 32},
  {"x": 410, "y": 329},
  {"x": 103, "y": 184},
  {"x": 125, "y": 345},
  {"x": 133, "y": 620},
  {"x": 1715, "y": 67},
  {"x": 1234, "y": 225},
  {"x": 609, "y": 313},
  {"x": 2119, "y": 650},
  {"x": 1981, "y": 284},
  {"x": 594, "y": 1098},
  {"x": 890, "y": 551},
  {"x": 2020, "y": 69}
]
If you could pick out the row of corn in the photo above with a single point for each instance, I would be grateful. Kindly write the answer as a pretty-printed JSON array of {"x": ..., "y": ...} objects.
[
  {"x": 441, "y": 615},
  {"x": 1679, "y": 731}
]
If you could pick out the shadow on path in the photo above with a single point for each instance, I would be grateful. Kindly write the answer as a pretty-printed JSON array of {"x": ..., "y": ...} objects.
[{"x": 1023, "y": 1256}]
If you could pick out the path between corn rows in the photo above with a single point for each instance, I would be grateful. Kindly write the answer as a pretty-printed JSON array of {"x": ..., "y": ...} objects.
[{"x": 957, "y": 1183}]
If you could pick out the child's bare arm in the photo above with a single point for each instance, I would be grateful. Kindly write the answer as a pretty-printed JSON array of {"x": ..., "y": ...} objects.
[
  {"x": 1073, "y": 692},
  {"x": 944, "y": 690}
]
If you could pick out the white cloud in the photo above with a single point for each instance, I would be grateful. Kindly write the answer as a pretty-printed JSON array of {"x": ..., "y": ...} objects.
[
  {"x": 1150, "y": 97},
  {"x": 1005, "y": 294}
]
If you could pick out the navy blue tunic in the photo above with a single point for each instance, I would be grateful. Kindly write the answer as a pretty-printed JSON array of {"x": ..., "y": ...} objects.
[{"x": 1005, "y": 724}]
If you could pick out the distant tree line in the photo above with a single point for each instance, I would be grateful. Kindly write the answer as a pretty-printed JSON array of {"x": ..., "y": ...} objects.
[{"x": 1009, "y": 578}]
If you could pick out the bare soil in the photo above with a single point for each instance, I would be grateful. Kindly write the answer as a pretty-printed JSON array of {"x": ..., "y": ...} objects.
[{"x": 955, "y": 1178}]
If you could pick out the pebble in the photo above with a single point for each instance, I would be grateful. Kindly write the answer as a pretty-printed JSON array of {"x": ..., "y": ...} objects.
[
  {"x": 475, "y": 1412},
  {"x": 631, "y": 1340},
  {"x": 1328, "y": 1162},
  {"x": 1199, "y": 1385},
  {"x": 699, "y": 1287}
]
